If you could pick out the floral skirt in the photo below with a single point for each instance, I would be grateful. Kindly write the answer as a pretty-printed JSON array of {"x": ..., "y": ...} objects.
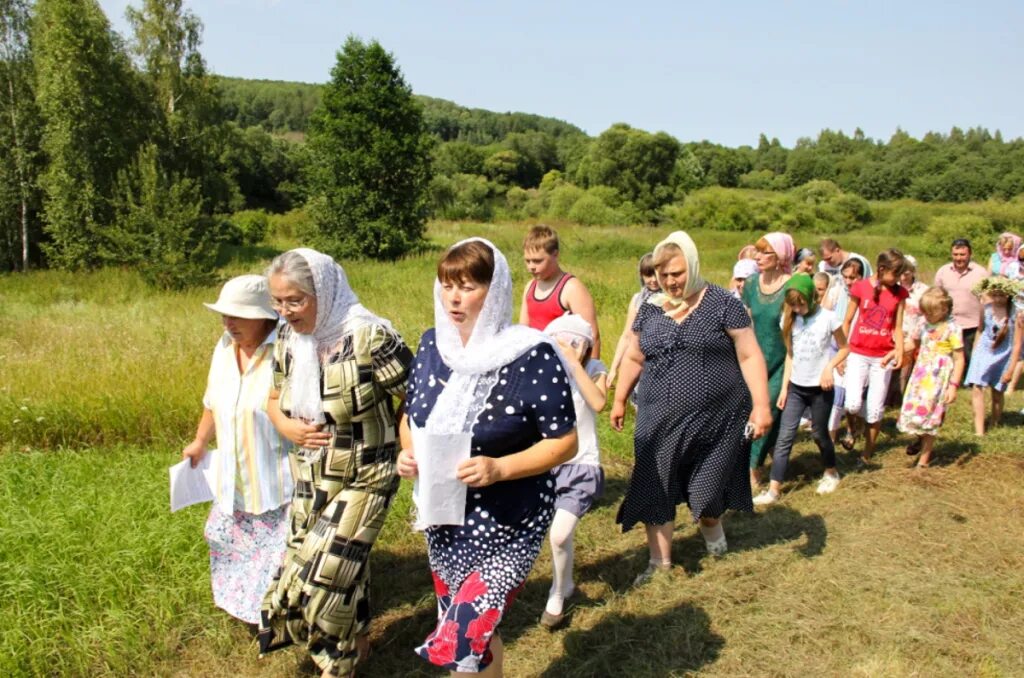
[
  {"x": 478, "y": 569},
  {"x": 245, "y": 552}
]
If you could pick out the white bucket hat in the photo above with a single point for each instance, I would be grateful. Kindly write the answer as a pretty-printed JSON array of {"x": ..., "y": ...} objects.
[
  {"x": 570, "y": 323},
  {"x": 244, "y": 297}
]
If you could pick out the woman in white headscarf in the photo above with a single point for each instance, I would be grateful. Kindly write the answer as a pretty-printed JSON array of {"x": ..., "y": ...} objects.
[
  {"x": 703, "y": 397},
  {"x": 498, "y": 396},
  {"x": 338, "y": 368}
]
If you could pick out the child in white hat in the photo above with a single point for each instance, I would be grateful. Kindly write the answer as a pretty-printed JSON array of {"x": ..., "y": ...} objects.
[{"x": 580, "y": 481}]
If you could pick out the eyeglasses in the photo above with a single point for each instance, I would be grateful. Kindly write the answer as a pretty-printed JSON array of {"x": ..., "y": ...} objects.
[
  {"x": 290, "y": 305},
  {"x": 765, "y": 254}
]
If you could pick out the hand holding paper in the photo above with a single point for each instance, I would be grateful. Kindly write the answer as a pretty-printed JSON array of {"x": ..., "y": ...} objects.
[{"x": 190, "y": 485}]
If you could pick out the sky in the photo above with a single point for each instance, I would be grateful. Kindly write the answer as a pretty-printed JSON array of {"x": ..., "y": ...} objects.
[{"x": 721, "y": 71}]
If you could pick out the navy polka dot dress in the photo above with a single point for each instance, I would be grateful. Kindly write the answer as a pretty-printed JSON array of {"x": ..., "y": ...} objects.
[
  {"x": 479, "y": 566},
  {"x": 692, "y": 408}
]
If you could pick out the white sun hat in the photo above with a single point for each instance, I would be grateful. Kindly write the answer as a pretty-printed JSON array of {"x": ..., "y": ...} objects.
[
  {"x": 246, "y": 296},
  {"x": 571, "y": 324}
]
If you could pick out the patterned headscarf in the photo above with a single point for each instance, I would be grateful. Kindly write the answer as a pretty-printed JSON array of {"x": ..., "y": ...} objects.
[{"x": 782, "y": 245}]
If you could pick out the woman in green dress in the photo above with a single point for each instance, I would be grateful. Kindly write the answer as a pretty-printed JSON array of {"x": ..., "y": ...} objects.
[{"x": 763, "y": 294}]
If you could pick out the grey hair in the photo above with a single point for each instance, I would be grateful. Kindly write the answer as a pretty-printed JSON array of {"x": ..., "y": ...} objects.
[{"x": 294, "y": 267}]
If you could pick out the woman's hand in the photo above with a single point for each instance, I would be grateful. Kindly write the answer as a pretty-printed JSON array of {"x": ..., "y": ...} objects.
[
  {"x": 617, "y": 418},
  {"x": 761, "y": 420},
  {"x": 826, "y": 379},
  {"x": 479, "y": 471},
  {"x": 570, "y": 351},
  {"x": 406, "y": 464},
  {"x": 306, "y": 435},
  {"x": 781, "y": 401},
  {"x": 194, "y": 451}
]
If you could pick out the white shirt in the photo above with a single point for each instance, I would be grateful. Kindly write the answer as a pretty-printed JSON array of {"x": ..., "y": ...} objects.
[
  {"x": 812, "y": 337},
  {"x": 586, "y": 421},
  {"x": 250, "y": 470}
]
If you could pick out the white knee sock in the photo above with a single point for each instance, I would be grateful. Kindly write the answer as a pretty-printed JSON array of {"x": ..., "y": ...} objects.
[
  {"x": 714, "y": 538},
  {"x": 562, "y": 529}
]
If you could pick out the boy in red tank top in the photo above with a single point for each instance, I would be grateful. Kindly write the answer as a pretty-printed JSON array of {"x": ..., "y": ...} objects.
[{"x": 553, "y": 292}]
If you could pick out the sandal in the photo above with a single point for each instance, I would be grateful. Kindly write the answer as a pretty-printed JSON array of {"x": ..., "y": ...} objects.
[
  {"x": 847, "y": 441},
  {"x": 914, "y": 448}
]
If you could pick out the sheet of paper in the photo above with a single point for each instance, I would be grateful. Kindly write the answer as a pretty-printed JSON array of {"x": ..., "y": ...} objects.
[
  {"x": 191, "y": 485},
  {"x": 440, "y": 497}
]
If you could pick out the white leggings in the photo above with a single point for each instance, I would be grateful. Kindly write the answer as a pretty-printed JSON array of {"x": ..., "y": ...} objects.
[{"x": 861, "y": 371}]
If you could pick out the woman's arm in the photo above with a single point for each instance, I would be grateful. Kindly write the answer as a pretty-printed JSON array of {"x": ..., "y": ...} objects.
[
  {"x": 632, "y": 364},
  {"x": 543, "y": 456},
  {"x": 406, "y": 464},
  {"x": 299, "y": 432},
  {"x": 205, "y": 431},
  {"x": 620, "y": 348},
  {"x": 755, "y": 374}
]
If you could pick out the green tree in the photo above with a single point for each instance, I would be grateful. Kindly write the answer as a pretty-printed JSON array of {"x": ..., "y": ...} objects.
[
  {"x": 87, "y": 96},
  {"x": 19, "y": 132},
  {"x": 371, "y": 157}
]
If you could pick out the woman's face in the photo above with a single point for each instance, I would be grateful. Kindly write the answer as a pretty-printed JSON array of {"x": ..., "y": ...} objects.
[
  {"x": 820, "y": 287},
  {"x": 294, "y": 305},
  {"x": 672, "y": 276},
  {"x": 1007, "y": 248},
  {"x": 651, "y": 281},
  {"x": 463, "y": 301},
  {"x": 767, "y": 260},
  {"x": 806, "y": 265},
  {"x": 247, "y": 331},
  {"x": 908, "y": 277}
]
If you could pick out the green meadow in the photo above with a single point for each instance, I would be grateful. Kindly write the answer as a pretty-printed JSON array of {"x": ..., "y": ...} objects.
[{"x": 899, "y": 573}]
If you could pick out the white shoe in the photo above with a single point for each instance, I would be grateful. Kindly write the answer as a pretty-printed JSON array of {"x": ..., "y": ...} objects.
[
  {"x": 647, "y": 575},
  {"x": 766, "y": 497},
  {"x": 828, "y": 484},
  {"x": 717, "y": 547}
]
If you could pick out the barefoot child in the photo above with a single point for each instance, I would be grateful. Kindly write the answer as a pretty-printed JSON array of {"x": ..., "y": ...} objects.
[
  {"x": 935, "y": 378},
  {"x": 807, "y": 330},
  {"x": 876, "y": 342},
  {"x": 553, "y": 292},
  {"x": 996, "y": 348},
  {"x": 579, "y": 481}
]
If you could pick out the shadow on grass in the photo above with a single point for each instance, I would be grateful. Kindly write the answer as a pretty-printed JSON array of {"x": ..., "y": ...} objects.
[
  {"x": 675, "y": 642},
  {"x": 954, "y": 452}
]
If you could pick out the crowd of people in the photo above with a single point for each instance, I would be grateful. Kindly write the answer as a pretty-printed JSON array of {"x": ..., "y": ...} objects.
[{"x": 319, "y": 407}]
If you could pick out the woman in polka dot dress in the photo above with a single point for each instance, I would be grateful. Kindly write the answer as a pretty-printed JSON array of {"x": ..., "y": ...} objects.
[
  {"x": 703, "y": 396},
  {"x": 475, "y": 372}
]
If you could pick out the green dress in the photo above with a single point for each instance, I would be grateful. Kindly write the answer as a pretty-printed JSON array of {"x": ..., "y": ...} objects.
[{"x": 766, "y": 311}]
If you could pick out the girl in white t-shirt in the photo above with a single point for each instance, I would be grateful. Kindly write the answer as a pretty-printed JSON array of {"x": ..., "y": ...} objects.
[
  {"x": 808, "y": 331},
  {"x": 580, "y": 481}
]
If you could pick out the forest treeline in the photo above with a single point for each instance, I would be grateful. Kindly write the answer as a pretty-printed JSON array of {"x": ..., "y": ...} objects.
[{"x": 125, "y": 150}]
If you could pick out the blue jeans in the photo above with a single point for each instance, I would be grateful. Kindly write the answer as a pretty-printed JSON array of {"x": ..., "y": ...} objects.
[{"x": 798, "y": 399}]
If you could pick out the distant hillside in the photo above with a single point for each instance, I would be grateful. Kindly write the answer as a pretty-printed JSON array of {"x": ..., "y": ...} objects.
[{"x": 282, "y": 107}]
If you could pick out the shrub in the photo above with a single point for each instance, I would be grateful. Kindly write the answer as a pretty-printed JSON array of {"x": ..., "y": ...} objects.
[
  {"x": 252, "y": 226},
  {"x": 816, "y": 192},
  {"x": 942, "y": 231},
  {"x": 907, "y": 221},
  {"x": 561, "y": 199},
  {"x": 714, "y": 208},
  {"x": 289, "y": 224},
  {"x": 759, "y": 179},
  {"x": 590, "y": 210}
]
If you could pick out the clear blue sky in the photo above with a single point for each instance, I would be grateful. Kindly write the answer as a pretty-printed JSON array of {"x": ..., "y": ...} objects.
[{"x": 711, "y": 70}]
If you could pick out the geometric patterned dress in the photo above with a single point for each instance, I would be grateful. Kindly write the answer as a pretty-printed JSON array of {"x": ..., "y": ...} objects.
[{"x": 321, "y": 596}]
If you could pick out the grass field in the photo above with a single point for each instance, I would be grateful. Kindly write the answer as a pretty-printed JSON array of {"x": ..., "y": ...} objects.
[{"x": 899, "y": 573}]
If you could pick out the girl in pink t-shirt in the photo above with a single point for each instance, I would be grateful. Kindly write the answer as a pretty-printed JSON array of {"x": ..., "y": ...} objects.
[{"x": 876, "y": 342}]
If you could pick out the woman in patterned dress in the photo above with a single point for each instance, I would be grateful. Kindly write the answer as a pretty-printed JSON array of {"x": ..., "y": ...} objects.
[
  {"x": 702, "y": 387},
  {"x": 338, "y": 368},
  {"x": 250, "y": 473},
  {"x": 502, "y": 391}
]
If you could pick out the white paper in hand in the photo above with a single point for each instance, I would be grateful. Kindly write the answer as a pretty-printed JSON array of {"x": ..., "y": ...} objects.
[
  {"x": 440, "y": 497},
  {"x": 190, "y": 485}
]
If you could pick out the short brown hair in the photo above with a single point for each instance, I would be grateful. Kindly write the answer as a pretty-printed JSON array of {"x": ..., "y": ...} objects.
[
  {"x": 828, "y": 244},
  {"x": 471, "y": 261},
  {"x": 541, "y": 237}
]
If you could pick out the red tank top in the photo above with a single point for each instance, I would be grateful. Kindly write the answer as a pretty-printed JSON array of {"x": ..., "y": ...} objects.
[{"x": 543, "y": 311}]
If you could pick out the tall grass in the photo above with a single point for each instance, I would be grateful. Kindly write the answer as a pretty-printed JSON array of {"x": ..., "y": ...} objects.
[{"x": 897, "y": 574}]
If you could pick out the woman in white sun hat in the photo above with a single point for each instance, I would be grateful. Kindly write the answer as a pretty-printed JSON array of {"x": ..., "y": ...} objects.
[{"x": 249, "y": 474}]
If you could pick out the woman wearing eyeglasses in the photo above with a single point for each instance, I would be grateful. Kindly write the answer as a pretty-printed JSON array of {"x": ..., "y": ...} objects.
[{"x": 337, "y": 369}]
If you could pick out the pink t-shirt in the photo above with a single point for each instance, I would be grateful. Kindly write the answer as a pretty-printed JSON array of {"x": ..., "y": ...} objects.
[
  {"x": 966, "y": 306},
  {"x": 872, "y": 333}
]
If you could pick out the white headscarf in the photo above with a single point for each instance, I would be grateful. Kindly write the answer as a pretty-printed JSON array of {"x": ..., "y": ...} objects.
[
  {"x": 338, "y": 313},
  {"x": 494, "y": 343},
  {"x": 694, "y": 282}
]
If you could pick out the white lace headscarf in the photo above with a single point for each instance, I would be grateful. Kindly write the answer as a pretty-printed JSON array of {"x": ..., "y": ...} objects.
[
  {"x": 338, "y": 313},
  {"x": 494, "y": 343}
]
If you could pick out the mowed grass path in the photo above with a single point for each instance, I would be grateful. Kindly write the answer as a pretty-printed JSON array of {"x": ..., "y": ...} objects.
[{"x": 898, "y": 573}]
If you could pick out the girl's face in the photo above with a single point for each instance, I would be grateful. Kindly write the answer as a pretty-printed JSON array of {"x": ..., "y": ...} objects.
[
  {"x": 800, "y": 306},
  {"x": 999, "y": 299},
  {"x": 1007, "y": 248},
  {"x": 888, "y": 277},
  {"x": 850, "y": 276},
  {"x": 806, "y": 265},
  {"x": 936, "y": 314},
  {"x": 820, "y": 287},
  {"x": 907, "y": 279},
  {"x": 651, "y": 281}
]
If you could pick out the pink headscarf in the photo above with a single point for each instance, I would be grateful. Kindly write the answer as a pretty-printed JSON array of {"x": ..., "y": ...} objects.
[
  {"x": 1016, "y": 246},
  {"x": 782, "y": 244}
]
